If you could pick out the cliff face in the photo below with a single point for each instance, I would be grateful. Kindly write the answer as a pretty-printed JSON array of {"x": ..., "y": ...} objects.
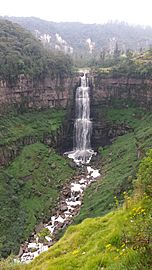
[
  {"x": 60, "y": 92},
  {"x": 37, "y": 94},
  {"x": 28, "y": 94},
  {"x": 138, "y": 90},
  {"x": 119, "y": 91}
]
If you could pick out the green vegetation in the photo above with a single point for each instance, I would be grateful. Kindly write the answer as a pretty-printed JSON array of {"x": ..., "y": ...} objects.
[
  {"x": 30, "y": 124},
  {"x": 119, "y": 161},
  {"x": 22, "y": 53},
  {"x": 30, "y": 185},
  {"x": 104, "y": 36},
  {"x": 121, "y": 240},
  {"x": 131, "y": 65},
  {"x": 29, "y": 188}
]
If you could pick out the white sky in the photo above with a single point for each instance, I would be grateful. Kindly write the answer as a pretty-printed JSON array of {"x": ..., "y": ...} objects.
[{"x": 86, "y": 11}]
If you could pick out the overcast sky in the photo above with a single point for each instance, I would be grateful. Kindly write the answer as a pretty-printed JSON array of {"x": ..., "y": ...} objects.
[{"x": 86, "y": 11}]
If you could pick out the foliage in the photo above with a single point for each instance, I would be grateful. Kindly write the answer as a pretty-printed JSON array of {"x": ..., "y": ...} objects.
[
  {"x": 43, "y": 232},
  {"x": 22, "y": 53},
  {"x": 29, "y": 188},
  {"x": 30, "y": 185},
  {"x": 121, "y": 240},
  {"x": 34, "y": 124},
  {"x": 146, "y": 169},
  {"x": 75, "y": 34},
  {"x": 131, "y": 65},
  {"x": 119, "y": 161}
]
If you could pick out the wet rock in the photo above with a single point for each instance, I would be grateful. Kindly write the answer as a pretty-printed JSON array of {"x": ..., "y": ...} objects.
[
  {"x": 39, "y": 227},
  {"x": 72, "y": 164},
  {"x": 66, "y": 192},
  {"x": 64, "y": 207},
  {"x": 20, "y": 251},
  {"x": 68, "y": 206}
]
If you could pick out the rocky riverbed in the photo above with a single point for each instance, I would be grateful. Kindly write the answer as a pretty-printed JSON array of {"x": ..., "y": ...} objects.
[{"x": 67, "y": 208}]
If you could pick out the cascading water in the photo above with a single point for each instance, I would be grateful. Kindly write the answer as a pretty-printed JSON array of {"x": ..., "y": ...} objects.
[{"x": 82, "y": 152}]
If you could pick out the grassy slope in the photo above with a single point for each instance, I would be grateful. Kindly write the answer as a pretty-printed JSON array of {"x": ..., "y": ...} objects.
[
  {"x": 36, "y": 124},
  {"x": 86, "y": 246},
  {"x": 30, "y": 185},
  {"x": 119, "y": 162},
  {"x": 118, "y": 241}
]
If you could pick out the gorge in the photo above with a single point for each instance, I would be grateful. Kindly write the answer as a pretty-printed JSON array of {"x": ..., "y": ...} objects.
[{"x": 42, "y": 191}]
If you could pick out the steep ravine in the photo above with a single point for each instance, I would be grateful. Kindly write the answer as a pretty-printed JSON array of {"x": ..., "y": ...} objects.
[
  {"x": 71, "y": 196},
  {"x": 31, "y": 172},
  {"x": 119, "y": 161},
  {"x": 67, "y": 208},
  {"x": 118, "y": 166},
  {"x": 19, "y": 130},
  {"x": 105, "y": 129}
]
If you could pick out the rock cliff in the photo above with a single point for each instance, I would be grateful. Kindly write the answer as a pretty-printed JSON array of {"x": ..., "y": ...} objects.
[
  {"x": 128, "y": 89},
  {"x": 37, "y": 94},
  {"x": 121, "y": 92},
  {"x": 60, "y": 92}
]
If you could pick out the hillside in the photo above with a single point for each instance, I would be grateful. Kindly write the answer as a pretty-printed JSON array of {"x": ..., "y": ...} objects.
[
  {"x": 113, "y": 230},
  {"x": 34, "y": 175},
  {"x": 77, "y": 38},
  {"x": 120, "y": 160},
  {"x": 119, "y": 240},
  {"x": 132, "y": 65},
  {"x": 22, "y": 53}
]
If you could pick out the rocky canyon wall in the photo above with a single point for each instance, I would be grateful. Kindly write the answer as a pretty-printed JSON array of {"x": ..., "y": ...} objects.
[
  {"x": 26, "y": 94},
  {"x": 109, "y": 91},
  {"x": 60, "y": 92},
  {"x": 37, "y": 94},
  {"x": 127, "y": 89}
]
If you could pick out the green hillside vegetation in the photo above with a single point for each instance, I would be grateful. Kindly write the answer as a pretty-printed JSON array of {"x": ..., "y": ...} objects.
[
  {"x": 76, "y": 34},
  {"x": 30, "y": 185},
  {"x": 34, "y": 124},
  {"x": 119, "y": 161},
  {"x": 29, "y": 188},
  {"x": 121, "y": 240},
  {"x": 131, "y": 65},
  {"x": 22, "y": 53}
]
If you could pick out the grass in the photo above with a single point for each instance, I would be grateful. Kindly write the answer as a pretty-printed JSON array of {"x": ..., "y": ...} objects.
[
  {"x": 34, "y": 123},
  {"x": 119, "y": 161},
  {"x": 110, "y": 242},
  {"x": 30, "y": 185},
  {"x": 29, "y": 188},
  {"x": 121, "y": 240}
]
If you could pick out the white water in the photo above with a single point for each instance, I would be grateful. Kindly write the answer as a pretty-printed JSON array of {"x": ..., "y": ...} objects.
[
  {"x": 82, "y": 152},
  {"x": 73, "y": 202}
]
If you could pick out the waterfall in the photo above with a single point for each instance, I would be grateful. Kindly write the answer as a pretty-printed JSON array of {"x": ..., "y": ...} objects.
[{"x": 82, "y": 152}]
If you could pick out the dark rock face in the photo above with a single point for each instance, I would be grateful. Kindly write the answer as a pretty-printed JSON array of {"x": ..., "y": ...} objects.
[
  {"x": 10, "y": 151},
  {"x": 60, "y": 92},
  {"x": 29, "y": 94},
  {"x": 137, "y": 90},
  {"x": 103, "y": 132},
  {"x": 38, "y": 94},
  {"x": 103, "y": 92}
]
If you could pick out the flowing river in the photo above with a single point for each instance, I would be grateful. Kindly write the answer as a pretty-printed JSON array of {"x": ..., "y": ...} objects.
[{"x": 71, "y": 196}]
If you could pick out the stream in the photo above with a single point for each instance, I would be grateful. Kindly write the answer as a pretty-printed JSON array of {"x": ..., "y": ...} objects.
[
  {"x": 71, "y": 197},
  {"x": 67, "y": 208}
]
